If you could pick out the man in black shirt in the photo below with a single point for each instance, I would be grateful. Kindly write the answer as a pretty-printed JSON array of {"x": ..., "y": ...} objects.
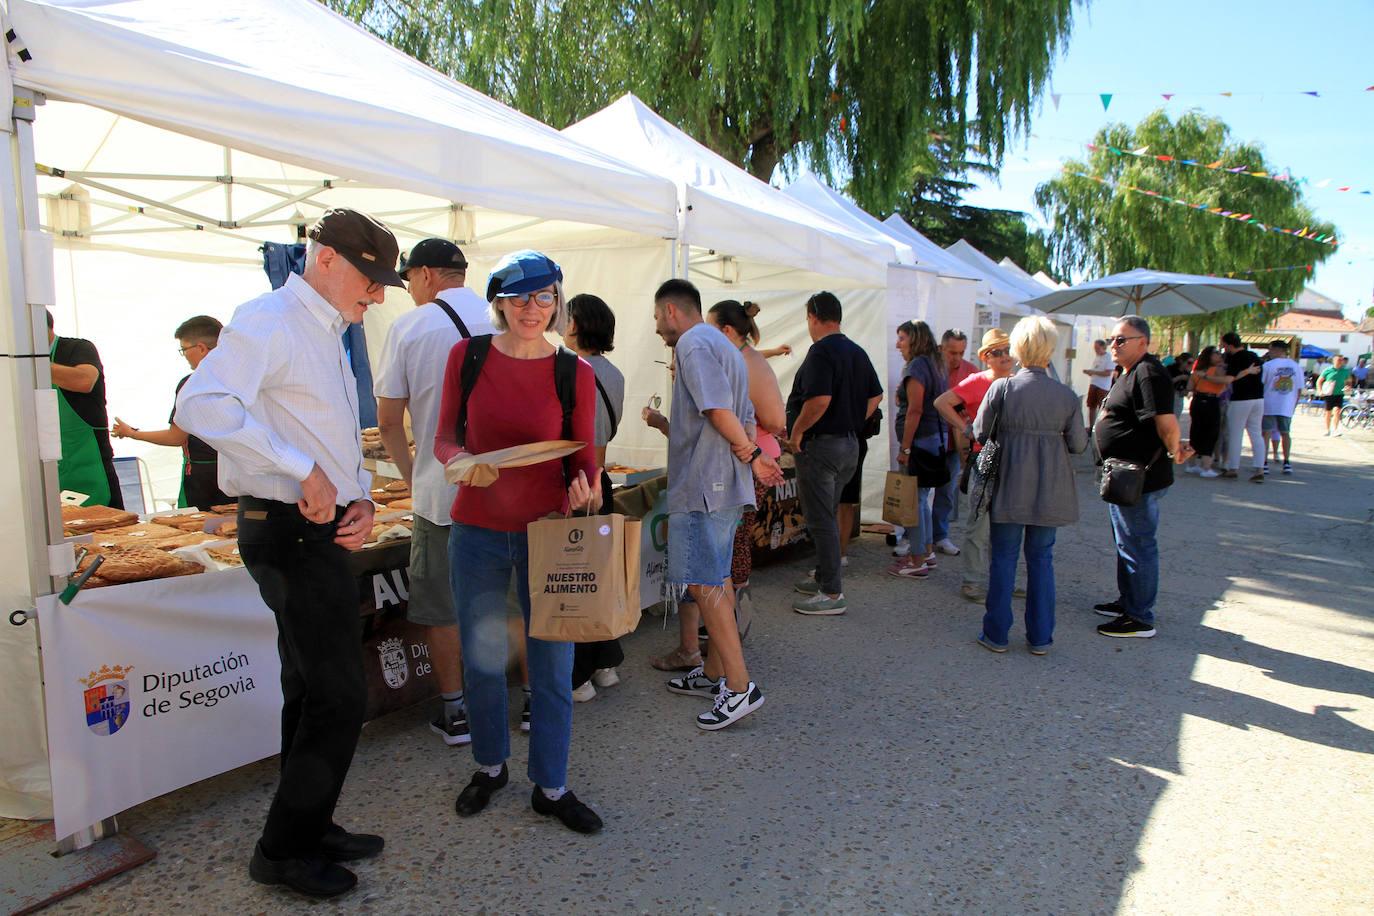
[
  {"x": 1245, "y": 414},
  {"x": 196, "y": 337},
  {"x": 835, "y": 391},
  {"x": 1138, "y": 424},
  {"x": 80, "y": 379}
]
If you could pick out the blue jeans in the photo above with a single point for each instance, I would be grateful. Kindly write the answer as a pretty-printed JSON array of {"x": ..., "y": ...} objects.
[
  {"x": 946, "y": 507},
  {"x": 481, "y": 563},
  {"x": 1005, "y": 540},
  {"x": 1137, "y": 555}
]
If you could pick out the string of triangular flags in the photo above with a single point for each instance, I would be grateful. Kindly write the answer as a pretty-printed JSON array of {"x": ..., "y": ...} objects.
[
  {"x": 1284, "y": 177},
  {"x": 1106, "y": 97},
  {"x": 1263, "y": 270},
  {"x": 1245, "y": 218}
]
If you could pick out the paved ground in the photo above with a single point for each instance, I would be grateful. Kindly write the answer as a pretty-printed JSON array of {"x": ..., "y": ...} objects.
[{"x": 1224, "y": 766}]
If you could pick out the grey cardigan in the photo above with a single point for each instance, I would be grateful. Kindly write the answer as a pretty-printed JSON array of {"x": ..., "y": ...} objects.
[{"x": 1042, "y": 423}]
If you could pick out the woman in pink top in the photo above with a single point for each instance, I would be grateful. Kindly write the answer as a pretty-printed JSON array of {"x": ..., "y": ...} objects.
[
  {"x": 959, "y": 406},
  {"x": 514, "y": 401}
]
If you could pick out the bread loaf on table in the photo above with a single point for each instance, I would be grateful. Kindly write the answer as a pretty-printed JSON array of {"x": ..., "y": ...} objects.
[
  {"x": 138, "y": 564},
  {"x": 83, "y": 519}
]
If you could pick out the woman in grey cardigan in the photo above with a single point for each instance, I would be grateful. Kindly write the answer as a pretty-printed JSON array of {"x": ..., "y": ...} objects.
[{"x": 1041, "y": 424}]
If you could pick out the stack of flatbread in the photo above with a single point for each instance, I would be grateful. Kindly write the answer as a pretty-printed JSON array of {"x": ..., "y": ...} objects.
[
  {"x": 397, "y": 489},
  {"x": 84, "y": 519},
  {"x": 137, "y": 564}
]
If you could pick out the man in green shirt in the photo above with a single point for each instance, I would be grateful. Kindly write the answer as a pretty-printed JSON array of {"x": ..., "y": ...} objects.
[{"x": 1331, "y": 384}]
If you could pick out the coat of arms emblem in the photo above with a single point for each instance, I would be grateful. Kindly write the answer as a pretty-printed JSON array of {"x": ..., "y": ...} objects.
[
  {"x": 106, "y": 699},
  {"x": 394, "y": 668}
]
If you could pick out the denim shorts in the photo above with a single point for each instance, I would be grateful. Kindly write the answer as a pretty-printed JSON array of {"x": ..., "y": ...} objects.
[
  {"x": 1275, "y": 422},
  {"x": 700, "y": 545}
]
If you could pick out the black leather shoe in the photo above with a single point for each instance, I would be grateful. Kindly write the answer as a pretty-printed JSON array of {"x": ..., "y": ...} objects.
[
  {"x": 314, "y": 876},
  {"x": 479, "y": 791},
  {"x": 339, "y": 845},
  {"x": 573, "y": 814}
]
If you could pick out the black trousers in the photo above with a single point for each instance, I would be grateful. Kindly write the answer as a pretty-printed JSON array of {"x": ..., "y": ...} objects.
[
  {"x": 588, "y": 657},
  {"x": 304, "y": 578}
]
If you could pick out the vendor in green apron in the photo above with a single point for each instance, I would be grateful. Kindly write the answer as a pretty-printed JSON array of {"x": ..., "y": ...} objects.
[
  {"x": 196, "y": 337},
  {"x": 87, "y": 464}
]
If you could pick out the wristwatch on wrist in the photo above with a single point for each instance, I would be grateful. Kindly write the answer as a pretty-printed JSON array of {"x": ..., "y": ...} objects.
[
  {"x": 904, "y": 451},
  {"x": 753, "y": 456}
]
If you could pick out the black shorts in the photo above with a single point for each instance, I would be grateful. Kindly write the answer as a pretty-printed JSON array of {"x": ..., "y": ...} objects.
[
  {"x": 853, "y": 491},
  {"x": 1334, "y": 401}
]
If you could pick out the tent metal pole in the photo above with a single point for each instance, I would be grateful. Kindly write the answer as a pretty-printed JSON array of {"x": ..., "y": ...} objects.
[{"x": 229, "y": 187}]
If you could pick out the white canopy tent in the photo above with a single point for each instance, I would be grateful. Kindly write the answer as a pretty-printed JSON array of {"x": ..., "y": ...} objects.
[
  {"x": 190, "y": 134},
  {"x": 745, "y": 239}
]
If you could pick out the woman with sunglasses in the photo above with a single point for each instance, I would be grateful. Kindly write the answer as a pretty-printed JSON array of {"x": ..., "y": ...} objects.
[
  {"x": 487, "y": 543},
  {"x": 959, "y": 406}
]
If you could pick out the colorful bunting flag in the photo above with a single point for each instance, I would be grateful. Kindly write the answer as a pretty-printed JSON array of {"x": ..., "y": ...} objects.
[
  {"x": 1285, "y": 177},
  {"x": 1246, "y": 218},
  {"x": 1106, "y": 100},
  {"x": 1055, "y": 97}
]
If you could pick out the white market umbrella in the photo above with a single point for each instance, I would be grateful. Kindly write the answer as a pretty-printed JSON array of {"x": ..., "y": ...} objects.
[{"x": 1149, "y": 293}]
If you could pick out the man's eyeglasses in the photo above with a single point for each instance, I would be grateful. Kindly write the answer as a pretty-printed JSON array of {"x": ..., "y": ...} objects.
[
  {"x": 184, "y": 349},
  {"x": 998, "y": 353},
  {"x": 1120, "y": 340},
  {"x": 543, "y": 299}
]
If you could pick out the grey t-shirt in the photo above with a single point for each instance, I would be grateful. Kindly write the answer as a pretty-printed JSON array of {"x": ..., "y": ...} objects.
[
  {"x": 703, "y": 474},
  {"x": 610, "y": 379}
]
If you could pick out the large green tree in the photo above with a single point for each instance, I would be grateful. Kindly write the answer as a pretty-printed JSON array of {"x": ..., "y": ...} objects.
[
  {"x": 848, "y": 86},
  {"x": 1097, "y": 229}
]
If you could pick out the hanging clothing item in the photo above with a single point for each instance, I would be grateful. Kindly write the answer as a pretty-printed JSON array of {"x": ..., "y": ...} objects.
[
  {"x": 280, "y": 261},
  {"x": 81, "y": 468}
]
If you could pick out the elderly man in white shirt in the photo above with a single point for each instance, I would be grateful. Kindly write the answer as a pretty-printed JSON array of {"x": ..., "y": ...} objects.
[
  {"x": 278, "y": 400},
  {"x": 1099, "y": 379},
  {"x": 411, "y": 379}
]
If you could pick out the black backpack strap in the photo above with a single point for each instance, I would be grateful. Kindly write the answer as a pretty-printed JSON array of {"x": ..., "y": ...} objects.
[
  {"x": 610, "y": 411},
  {"x": 476, "y": 355},
  {"x": 453, "y": 316},
  {"x": 565, "y": 384}
]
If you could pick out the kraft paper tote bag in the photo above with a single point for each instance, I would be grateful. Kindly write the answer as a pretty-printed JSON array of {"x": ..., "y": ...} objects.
[
  {"x": 584, "y": 578},
  {"x": 901, "y": 501}
]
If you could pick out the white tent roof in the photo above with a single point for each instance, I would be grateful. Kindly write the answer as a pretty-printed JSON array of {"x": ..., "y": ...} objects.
[
  {"x": 819, "y": 196},
  {"x": 290, "y": 81},
  {"x": 1039, "y": 277},
  {"x": 929, "y": 254},
  {"x": 730, "y": 210},
  {"x": 1013, "y": 284}
]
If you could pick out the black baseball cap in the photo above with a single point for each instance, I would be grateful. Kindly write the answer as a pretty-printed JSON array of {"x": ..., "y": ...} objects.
[
  {"x": 439, "y": 253},
  {"x": 363, "y": 241}
]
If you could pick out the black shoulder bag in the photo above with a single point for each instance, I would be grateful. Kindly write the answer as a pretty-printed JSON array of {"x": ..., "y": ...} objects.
[
  {"x": 1123, "y": 482},
  {"x": 987, "y": 464}
]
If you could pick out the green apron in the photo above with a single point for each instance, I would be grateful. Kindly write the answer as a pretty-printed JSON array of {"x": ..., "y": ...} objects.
[{"x": 81, "y": 468}]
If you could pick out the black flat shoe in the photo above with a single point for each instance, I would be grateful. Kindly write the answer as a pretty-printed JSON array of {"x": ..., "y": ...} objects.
[
  {"x": 315, "y": 876},
  {"x": 338, "y": 845},
  {"x": 479, "y": 791},
  {"x": 573, "y": 814}
]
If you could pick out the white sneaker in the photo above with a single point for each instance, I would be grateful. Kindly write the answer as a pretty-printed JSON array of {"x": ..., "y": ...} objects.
[
  {"x": 695, "y": 683},
  {"x": 730, "y": 707},
  {"x": 584, "y": 693},
  {"x": 1209, "y": 473},
  {"x": 605, "y": 677},
  {"x": 947, "y": 547},
  {"x": 902, "y": 549},
  {"x": 1191, "y": 469}
]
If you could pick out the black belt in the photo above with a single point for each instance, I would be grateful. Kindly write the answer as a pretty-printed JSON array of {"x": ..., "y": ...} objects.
[{"x": 274, "y": 508}]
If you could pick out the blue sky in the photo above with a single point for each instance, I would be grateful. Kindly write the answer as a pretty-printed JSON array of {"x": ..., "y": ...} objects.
[{"x": 1263, "y": 51}]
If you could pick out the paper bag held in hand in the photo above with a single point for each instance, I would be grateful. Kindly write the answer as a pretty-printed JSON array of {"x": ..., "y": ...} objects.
[
  {"x": 901, "y": 501},
  {"x": 584, "y": 578},
  {"x": 482, "y": 470}
]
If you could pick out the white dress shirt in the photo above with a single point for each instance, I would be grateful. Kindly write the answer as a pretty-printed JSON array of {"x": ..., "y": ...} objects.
[
  {"x": 1103, "y": 363},
  {"x": 414, "y": 360},
  {"x": 277, "y": 396}
]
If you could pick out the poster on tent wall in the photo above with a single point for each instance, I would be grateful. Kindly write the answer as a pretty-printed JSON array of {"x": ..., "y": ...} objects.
[{"x": 155, "y": 685}]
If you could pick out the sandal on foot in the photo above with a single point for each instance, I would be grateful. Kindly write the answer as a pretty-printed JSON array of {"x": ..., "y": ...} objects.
[{"x": 677, "y": 660}]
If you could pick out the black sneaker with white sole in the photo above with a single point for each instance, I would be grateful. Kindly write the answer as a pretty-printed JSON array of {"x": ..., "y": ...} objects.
[
  {"x": 730, "y": 707},
  {"x": 695, "y": 683},
  {"x": 1124, "y": 626},
  {"x": 453, "y": 729},
  {"x": 1109, "y": 609}
]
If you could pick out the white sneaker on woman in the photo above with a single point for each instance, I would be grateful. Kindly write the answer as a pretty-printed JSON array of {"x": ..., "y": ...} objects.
[
  {"x": 605, "y": 677},
  {"x": 584, "y": 693}
]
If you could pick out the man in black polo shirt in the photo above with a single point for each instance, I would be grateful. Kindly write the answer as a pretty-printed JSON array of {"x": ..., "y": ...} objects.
[
  {"x": 1138, "y": 424},
  {"x": 835, "y": 391},
  {"x": 79, "y": 377},
  {"x": 1245, "y": 413}
]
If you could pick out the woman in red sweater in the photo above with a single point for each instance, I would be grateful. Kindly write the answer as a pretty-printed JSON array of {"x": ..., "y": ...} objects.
[{"x": 514, "y": 402}]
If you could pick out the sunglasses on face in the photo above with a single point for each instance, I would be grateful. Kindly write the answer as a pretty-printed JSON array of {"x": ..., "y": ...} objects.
[
  {"x": 543, "y": 299},
  {"x": 1120, "y": 340},
  {"x": 996, "y": 354}
]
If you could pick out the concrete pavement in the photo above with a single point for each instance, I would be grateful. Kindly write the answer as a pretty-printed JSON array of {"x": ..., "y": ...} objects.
[{"x": 1224, "y": 766}]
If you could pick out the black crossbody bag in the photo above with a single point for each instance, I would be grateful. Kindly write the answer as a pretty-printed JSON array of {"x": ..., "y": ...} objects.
[{"x": 1123, "y": 482}]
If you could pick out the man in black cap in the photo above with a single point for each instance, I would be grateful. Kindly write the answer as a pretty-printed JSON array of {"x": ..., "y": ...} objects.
[
  {"x": 410, "y": 378},
  {"x": 278, "y": 400}
]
